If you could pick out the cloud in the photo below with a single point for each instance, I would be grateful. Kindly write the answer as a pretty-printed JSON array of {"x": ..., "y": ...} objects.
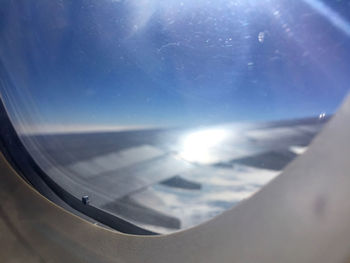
[{"x": 57, "y": 128}]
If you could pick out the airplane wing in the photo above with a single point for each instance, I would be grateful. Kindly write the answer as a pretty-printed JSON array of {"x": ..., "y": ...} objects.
[{"x": 167, "y": 179}]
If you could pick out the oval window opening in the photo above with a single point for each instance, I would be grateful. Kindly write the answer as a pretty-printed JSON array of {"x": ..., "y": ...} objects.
[{"x": 167, "y": 113}]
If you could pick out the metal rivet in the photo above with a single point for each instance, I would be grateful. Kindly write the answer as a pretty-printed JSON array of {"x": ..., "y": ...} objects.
[{"x": 85, "y": 199}]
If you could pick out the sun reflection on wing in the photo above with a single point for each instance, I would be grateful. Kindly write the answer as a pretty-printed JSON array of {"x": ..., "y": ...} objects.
[{"x": 198, "y": 146}]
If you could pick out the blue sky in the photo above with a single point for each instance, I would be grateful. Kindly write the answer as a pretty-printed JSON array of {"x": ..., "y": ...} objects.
[{"x": 169, "y": 63}]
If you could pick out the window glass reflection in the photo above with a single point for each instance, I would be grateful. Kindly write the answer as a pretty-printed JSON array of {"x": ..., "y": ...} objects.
[{"x": 167, "y": 113}]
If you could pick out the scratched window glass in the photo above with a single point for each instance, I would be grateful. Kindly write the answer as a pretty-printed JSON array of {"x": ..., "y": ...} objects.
[{"x": 166, "y": 113}]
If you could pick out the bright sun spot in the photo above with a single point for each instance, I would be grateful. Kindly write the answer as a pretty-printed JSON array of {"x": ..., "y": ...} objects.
[{"x": 197, "y": 146}]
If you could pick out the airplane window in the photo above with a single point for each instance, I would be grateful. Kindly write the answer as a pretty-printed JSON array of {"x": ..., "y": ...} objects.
[{"x": 166, "y": 113}]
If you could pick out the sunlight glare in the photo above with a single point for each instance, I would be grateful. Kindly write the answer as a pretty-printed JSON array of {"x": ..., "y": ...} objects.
[
  {"x": 197, "y": 146},
  {"x": 330, "y": 15}
]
